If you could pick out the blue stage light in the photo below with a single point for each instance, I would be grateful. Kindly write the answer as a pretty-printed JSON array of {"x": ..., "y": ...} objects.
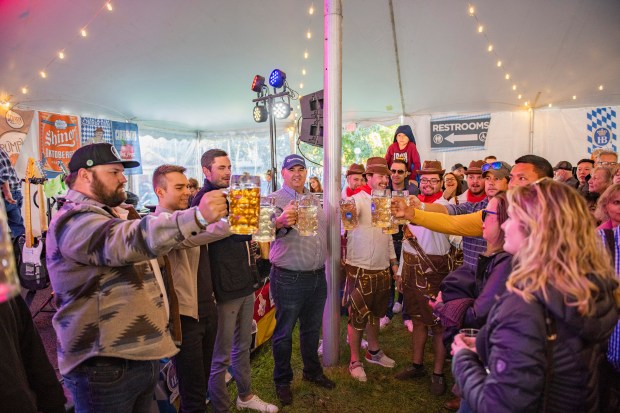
[{"x": 277, "y": 78}]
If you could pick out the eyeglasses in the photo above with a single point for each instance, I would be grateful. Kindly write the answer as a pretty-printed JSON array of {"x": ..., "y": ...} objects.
[
  {"x": 607, "y": 163},
  {"x": 495, "y": 165},
  {"x": 485, "y": 214},
  {"x": 397, "y": 171},
  {"x": 449, "y": 180},
  {"x": 433, "y": 181}
]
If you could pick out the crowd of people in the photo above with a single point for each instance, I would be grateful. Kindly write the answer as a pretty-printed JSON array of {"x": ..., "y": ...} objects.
[{"x": 511, "y": 270}]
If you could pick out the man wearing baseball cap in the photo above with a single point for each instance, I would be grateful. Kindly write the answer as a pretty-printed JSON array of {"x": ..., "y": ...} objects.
[
  {"x": 563, "y": 172},
  {"x": 298, "y": 284},
  {"x": 113, "y": 317}
]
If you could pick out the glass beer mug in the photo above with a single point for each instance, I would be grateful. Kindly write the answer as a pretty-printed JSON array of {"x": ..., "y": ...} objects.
[
  {"x": 404, "y": 195},
  {"x": 244, "y": 204},
  {"x": 9, "y": 283},
  {"x": 380, "y": 208},
  {"x": 266, "y": 221},
  {"x": 348, "y": 214},
  {"x": 307, "y": 215},
  {"x": 392, "y": 229}
]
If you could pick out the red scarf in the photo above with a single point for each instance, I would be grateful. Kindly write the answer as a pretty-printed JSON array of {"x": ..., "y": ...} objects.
[
  {"x": 350, "y": 192},
  {"x": 365, "y": 188},
  {"x": 473, "y": 198},
  {"x": 430, "y": 198}
]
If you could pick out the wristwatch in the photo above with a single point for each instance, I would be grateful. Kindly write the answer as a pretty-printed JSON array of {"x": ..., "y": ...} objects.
[{"x": 202, "y": 222}]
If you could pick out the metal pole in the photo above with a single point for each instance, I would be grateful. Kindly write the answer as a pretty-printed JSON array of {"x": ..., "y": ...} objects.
[
  {"x": 272, "y": 142},
  {"x": 332, "y": 153}
]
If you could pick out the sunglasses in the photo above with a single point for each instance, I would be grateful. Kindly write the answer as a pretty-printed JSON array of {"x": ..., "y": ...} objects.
[
  {"x": 397, "y": 171},
  {"x": 495, "y": 165},
  {"x": 486, "y": 213}
]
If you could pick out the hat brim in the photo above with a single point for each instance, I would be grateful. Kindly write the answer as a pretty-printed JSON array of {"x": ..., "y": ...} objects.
[
  {"x": 431, "y": 171},
  {"x": 294, "y": 163},
  {"x": 127, "y": 164},
  {"x": 497, "y": 173},
  {"x": 473, "y": 171},
  {"x": 378, "y": 169}
]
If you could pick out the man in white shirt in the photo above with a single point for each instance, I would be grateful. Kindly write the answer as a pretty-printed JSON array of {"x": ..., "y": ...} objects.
[
  {"x": 424, "y": 263},
  {"x": 370, "y": 253}
]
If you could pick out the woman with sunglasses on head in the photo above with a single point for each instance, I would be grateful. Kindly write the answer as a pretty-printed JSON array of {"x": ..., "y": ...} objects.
[
  {"x": 467, "y": 296},
  {"x": 542, "y": 344}
]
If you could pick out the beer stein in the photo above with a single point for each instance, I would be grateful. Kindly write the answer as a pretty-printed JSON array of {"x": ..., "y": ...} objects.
[
  {"x": 404, "y": 195},
  {"x": 9, "y": 283},
  {"x": 380, "y": 208},
  {"x": 307, "y": 215},
  {"x": 266, "y": 221},
  {"x": 244, "y": 204},
  {"x": 348, "y": 214},
  {"x": 392, "y": 229}
]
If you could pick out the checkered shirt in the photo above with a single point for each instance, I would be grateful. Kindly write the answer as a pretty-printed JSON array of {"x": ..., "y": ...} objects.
[{"x": 472, "y": 246}]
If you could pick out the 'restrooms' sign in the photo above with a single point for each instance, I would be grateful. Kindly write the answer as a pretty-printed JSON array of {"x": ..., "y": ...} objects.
[{"x": 459, "y": 132}]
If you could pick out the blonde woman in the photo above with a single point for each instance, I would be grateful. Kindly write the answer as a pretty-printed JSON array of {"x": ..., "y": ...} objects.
[
  {"x": 608, "y": 208},
  {"x": 542, "y": 344}
]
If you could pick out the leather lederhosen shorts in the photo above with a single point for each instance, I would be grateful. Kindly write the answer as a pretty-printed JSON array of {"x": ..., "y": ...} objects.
[{"x": 366, "y": 294}]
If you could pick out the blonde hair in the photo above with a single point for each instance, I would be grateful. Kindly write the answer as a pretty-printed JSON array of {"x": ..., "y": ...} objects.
[
  {"x": 562, "y": 246},
  {"x": 604, "y": 200}
]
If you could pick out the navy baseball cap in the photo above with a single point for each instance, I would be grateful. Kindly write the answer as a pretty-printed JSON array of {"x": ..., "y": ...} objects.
[
  {"x": 293, "y": 160},
  {"x": 97, "y": 154}
]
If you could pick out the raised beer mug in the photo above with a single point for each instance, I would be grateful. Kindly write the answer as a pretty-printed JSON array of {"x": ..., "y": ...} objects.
[
  {"x": 266, "y": 221},
  {"x": 244, "y": 204},
  {"x": 348, "y": 214},
  {"x": 9, "y": 283},
  {"x": 307, "y": 215},
  {"x": 380, "y": 208},
  {"x": 404, "y": 195},
  {"x": 392, "y": 229}
]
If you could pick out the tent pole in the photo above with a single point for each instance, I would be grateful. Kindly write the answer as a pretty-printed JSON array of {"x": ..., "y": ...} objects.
[
  {"x": 332, "y": 118},
  {"x": 531, "y": 113}
]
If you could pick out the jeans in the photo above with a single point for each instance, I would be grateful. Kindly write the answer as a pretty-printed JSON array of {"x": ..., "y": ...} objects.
[
  {"x": 14, "y": 214},
  {"x": 108, "y": 384},
  {"x": 193, "y": 362},
  {"x": 297, "y": 296},
  {"x": 232, "y": 346}
]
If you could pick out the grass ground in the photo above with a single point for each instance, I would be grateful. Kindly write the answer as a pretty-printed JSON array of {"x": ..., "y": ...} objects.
[{"x": 381, "y": 393}]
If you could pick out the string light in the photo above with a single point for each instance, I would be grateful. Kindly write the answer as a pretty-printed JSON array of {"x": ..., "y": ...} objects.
[
  {"x": 507, "y": 76},
  {"x": 514, "y": 87},
  {"x": 600, "y": 87},
  {"x": 519, "y": 97},
  {"x": 109, "y": 6},
  {"x": 309, "y": 35},
  {"x": 24, "y": 90},
  {"x": 61, "y": 54},
  {"x": 305, "y": 55},
  {"x": 527, "y": 103},
  {"x": 550, "y": 105},
  {"x": 490, "y": 48},
  {"x": 471, "y": 10},
  {"x": 303, "y": 72},
  {"x": 43, "y": 74},
  {"x": 311, "y": 10},
  {"x": 574, "y": 97},
  {"x": 301, "y": 85},
  {"x": 499, "y": 63},
  {"x": 83, "y": 33},
  {"x": 480, "y": 28}
]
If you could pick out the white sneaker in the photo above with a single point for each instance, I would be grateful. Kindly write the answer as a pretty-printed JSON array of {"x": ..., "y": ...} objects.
[
  {"x": 409, "y": 325},
  {"x": 320, "y": 349},
  {"x": 357, "y": 371},
  {"x": 381, "y": 359},
  {"x": 255, "y": 403},
  {"x": 384, "y": 322},
  {"x": 398, "y": 307}
]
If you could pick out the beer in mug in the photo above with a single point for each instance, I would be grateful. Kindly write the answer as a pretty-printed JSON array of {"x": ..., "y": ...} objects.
[
  {"x": 404, "y": 195},
  {"x": 307, "y": 215},
  {"x": 348, "y": 214},
  {"x": 380, "y": 208},
  {"x": 244, "y": 204},
  {"x": 266, "y": 221}
]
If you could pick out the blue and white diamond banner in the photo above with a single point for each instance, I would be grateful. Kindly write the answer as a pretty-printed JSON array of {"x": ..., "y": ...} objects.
[{"x": 602, "y": 129}]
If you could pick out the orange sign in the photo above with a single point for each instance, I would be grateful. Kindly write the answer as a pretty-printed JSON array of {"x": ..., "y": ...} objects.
[
  {"x": 14, "y": 126},
  {"x": 59, "y": 138}
]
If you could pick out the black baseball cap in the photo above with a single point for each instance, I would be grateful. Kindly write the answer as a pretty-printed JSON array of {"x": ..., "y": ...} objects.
[{"x": 97, "y": 154}]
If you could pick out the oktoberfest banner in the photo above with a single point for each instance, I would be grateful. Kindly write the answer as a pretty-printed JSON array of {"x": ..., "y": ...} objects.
[
  {"x": 459, "y": 132},
  {"x": 125, "y": 140},
  {"x": 95, "y": 130},
  {"x": 14, "y": 127},
  {"x": 59, "y": 138},
  {"x": 602, "y": 129}
]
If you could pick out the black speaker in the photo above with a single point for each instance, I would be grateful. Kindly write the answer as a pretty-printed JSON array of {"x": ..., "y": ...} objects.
[{"x": 312, "y": 118}]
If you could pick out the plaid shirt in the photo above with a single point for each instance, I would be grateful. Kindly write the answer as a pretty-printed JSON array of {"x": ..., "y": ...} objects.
[
  {"x": 472, "y": 246},
  {"x": 289, "y": 250},
  {"x": 7, "y": 172},
  {"x": 613, "y": 350}
]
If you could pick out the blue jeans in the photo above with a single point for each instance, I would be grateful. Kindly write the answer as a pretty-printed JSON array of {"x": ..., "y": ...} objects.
[
  {"x": 108, "y": 384},
  {"x": 232, "y": 347},
  {"x": 14, "y": 214},
  {"x": 297, "y": 296}
]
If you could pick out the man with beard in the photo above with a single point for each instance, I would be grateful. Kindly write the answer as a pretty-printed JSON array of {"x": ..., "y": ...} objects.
[
  {"x": 113, "y": 312},
  {"x": 475, "y": 183},
  {"x": 355, "y": 180}
]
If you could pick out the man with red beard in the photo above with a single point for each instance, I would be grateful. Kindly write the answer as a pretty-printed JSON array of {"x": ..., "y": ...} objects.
[
  {"x": 113, "y": 315},
  {"x": 475, "y": 183}
]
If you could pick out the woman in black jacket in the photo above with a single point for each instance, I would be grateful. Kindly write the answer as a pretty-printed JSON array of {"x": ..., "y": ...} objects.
[{"x": 542, "y": 345}]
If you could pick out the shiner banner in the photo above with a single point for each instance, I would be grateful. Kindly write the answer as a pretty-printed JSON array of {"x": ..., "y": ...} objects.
[{"x": 459, "y": 132}]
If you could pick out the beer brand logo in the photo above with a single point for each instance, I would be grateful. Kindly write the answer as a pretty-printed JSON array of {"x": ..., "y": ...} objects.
[
  {"x": 14, "y": 119},
  {"x": 349, "y": 216},
  {"x": 373, "y": 207},
  {"x": 60, "y": 124},
  {"x": 602, "y": 136}
]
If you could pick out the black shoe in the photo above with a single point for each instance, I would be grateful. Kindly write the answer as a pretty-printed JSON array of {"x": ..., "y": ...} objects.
[
  {"x": 411, "y": 373},
  {"x": 320, "y": 380},
  {"x": 284, "y": 393}
]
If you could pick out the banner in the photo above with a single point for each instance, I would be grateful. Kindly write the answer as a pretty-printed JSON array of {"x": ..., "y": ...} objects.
[
  {"x": 602, "y": 129},
  {"x": 14, "y": 127},
  {"x": 126, "y": 142},
  {"x": 59, "y": 138},
  {"x": 459, "y": 132},
  {"x": 95, "y": 130}
]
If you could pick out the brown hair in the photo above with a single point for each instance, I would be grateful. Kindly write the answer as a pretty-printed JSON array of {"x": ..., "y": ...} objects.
[
  {"x": 193, "y": 183},
  {"x": 209, "y": 156},
  {"x": 159, "y": 176}
]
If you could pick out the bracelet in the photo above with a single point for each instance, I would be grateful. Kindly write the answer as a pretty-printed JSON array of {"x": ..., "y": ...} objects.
[{"x": 422, "y": 206}]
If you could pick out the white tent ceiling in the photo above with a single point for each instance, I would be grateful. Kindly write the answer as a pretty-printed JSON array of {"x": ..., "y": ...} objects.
[{"x": 188, "y": 64}]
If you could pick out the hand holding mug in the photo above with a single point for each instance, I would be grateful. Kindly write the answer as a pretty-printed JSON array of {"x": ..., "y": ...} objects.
[
  {"x": 461, "y": 342},
  {"x": 213, "y": 206},
  {"x": 288, "y": 216}
]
